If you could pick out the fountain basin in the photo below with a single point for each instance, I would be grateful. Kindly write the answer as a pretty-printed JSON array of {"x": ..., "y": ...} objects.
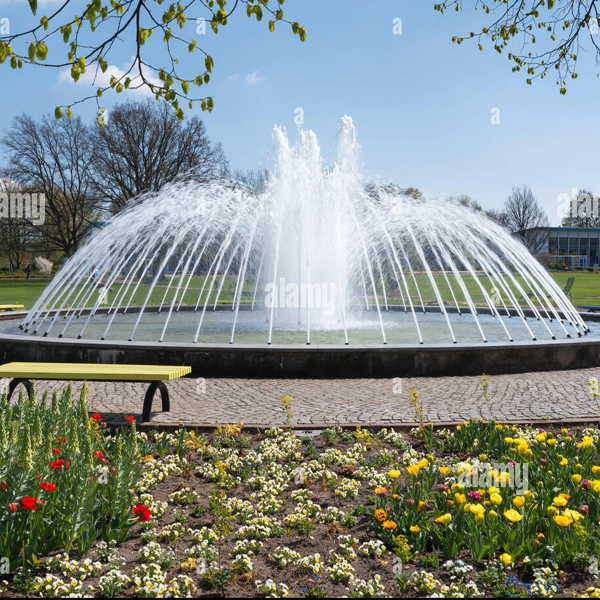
[{"x": 315, "y": 360}]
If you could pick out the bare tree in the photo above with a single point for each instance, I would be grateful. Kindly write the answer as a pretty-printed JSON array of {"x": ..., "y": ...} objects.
[
  {"x": 144, "y": 146},
  {"x": 466, "y": 200},
  {"x": 499, "y": 216},
  {"x": 256, "y": 181},
  {"x": 55, "y": 158},
  {"x": 16, "y": 235},
  {"x": 525, "y": 217},
  {"x": 583, "y": 211}
]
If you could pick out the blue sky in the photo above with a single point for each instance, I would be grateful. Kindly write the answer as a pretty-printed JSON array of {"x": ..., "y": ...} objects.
[{"x": 421, "y": 104}]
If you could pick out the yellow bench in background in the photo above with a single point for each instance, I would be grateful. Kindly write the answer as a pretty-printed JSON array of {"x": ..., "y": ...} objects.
[
  {"x": 4, "y": 307},
  {"x": 155, "y": 375}
]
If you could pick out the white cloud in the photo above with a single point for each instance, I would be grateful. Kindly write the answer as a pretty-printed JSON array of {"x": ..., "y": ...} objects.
[
  {"x": 254, "y": 78},
  {"x": 94, "y": 76},
  {"x": 233, "y": 77}
]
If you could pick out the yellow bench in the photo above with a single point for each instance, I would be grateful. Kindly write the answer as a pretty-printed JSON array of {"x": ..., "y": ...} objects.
[
  {"x": 24, "y": 372},
  {"x": 4, "y": 307}
]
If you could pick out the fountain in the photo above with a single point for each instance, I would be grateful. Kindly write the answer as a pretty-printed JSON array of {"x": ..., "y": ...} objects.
[{"x": 318, "y": 273}]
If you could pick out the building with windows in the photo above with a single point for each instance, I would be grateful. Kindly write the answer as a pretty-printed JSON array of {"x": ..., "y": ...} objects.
[{"x": 576, "y": 247}]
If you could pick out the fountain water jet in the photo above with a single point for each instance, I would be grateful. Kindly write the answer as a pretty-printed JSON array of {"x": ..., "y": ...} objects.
[{"x": 319, "y": 257}]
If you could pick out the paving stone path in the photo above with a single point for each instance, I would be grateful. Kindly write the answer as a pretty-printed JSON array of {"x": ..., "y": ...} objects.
[{"x": 558, "y": 395}]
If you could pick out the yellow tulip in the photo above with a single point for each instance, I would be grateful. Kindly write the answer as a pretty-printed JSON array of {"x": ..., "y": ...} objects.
[
  {"x": 444, "y": 519},
  {"x": 562, "y": 520},
  {"x": 512, "y": 515},
  {"x": 506, "y": 559},
  {"x": 496, "y": 499},
  {"x": 518, "y": 501}
]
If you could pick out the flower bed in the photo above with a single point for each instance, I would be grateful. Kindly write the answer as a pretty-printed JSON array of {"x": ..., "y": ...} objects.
[{"x": 484, "y": 510}]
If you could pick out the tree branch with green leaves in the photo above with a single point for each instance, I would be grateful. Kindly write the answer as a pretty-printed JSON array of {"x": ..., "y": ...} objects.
[
  {"x": 90, "y": 39},
  {"x": 543, "y": 36}
]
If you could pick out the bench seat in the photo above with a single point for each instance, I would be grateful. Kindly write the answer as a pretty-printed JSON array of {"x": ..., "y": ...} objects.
[
  {"x": 155, "y": 375},
  {"x": 12, "y": 307}
]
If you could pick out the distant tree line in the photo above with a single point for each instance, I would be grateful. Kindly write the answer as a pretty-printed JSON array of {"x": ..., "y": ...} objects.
[{"x": 88, "y": 174}]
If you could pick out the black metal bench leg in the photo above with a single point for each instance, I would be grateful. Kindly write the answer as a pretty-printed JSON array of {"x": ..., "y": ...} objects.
[
  {"x": 12, "y": 386},
  {"x": 164, "y": 393}
]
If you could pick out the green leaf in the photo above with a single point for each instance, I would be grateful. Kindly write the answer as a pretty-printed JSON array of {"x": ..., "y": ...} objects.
[
  {"x": 271, "y": 26},
  {"x": 58, "y": 113},
  {"x": 41, "y": 52},
  {"x": 33, "y": 6}
]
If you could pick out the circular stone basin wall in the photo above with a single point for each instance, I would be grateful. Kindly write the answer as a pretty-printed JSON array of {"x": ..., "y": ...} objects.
[{"x": 318, "y": 361}]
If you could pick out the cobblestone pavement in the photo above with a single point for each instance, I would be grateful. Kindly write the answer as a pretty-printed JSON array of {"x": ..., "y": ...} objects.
[{"x": 558, "y": 395}]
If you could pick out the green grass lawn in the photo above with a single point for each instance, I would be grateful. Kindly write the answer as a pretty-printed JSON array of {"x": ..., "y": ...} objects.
[{"x": 585, "y": 291}]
